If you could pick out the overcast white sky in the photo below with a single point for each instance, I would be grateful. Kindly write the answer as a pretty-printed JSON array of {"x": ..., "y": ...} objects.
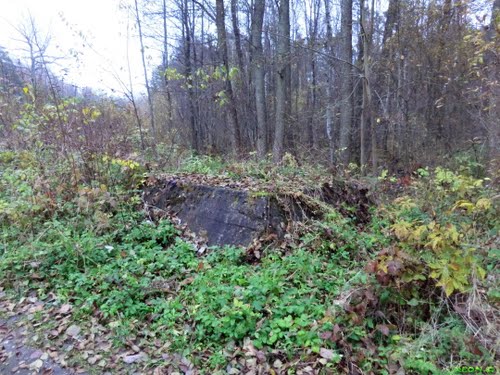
[{"x": 101, "y": 23}]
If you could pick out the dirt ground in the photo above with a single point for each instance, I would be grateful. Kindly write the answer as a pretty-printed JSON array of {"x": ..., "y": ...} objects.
[{"x": 18, "y": 358}]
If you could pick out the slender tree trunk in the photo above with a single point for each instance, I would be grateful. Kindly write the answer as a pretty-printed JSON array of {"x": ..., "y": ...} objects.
[
  {"x": 165, "y": 61},
  {"x": 373, "y": 129},
  {"x": 492, "y": 59},
  {"x": 258, "y": 76},
  {"x": 346, "y": 86},
  {"x": 364, "y": 106},
  {"x": 195, "y": 143},
  {"x": 33, "y": 73},
  {"x": 367, "y": 112},
  {"x": 391, "y": 20},
  {"x": 329, "y": 109},
  {"x": 312, "y": 35},
  {"x": 387, "y": 55},
  {"x": 312, "y": 120},
  {"x": 144, "y": 66},
  {"x": 130, "y": 94},
  {"x": 202, "y": 123},
  {"x": 282, "y": 78},
  {"x": 223, "y": 53},
  {"x": 237, "y": 36},
  {"x": 243, "y": 73}
]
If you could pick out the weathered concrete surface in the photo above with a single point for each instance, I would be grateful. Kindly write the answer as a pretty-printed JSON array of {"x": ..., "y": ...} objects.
[
  {"x": 224, "y": 216},
  {"x": 227, "y": 216}
]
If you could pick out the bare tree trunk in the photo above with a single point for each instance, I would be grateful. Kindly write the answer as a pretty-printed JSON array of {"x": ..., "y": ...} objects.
[
  {"x": 282, "y": 78},
  {"x": 244, "y": 119},
  {"x": 258, "y": 76},
  {"x": 312, "y": 35},
  {"x": 387, "y": 56},
  {"x": 29, "y": 33},
  {"x": 312, "y": 120},
  {"x": 329, "y": 110},
  {"x": 373, "y": 130},
  {"x": 364, "y": 109},
  {"x": 130, "y": 95},
  {"x": 237, "y": 36},
  {"x": 195, "y": 142},
  {"x": 165, "y": 60},
  {"x": 34, "y": 82},
  {"x": 367, "y": 112},
  {"x": 391, "y": 20},
  {"x": 144, "y": 66},
  {"x": 222, "y": 46},
  {"x": 346, "y": 86},
  {"x": 493, "y": 37}
]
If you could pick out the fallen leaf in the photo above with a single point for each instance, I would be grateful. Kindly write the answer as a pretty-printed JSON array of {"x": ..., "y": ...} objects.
[
  {"x": 393, "y": 267},
  {"x": 36, "y": 308},
  {"x": 306, "y": 370},
  {"x": 135, "y": 358},
  {"x": 37, "y": 365},
  {"x": 371, "y": 267},
  {"x": 277, "y": 364},
  {"x": 383, "y": 329},
  {"x": 261, "y": 356},
  {"x": 65, "y": 309},
  {"x": 326, "y": 353},
  {"x": 73, "y": 330},
  {"x": 187, "y": 281},
  {"x": 93, "y": 360},
  {"x": 326, "y": 335},
  {"x": 36, "y": 354}
]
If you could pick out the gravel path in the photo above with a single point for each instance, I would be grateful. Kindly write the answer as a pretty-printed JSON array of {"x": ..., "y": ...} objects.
[{"x": 18, "y": 358}]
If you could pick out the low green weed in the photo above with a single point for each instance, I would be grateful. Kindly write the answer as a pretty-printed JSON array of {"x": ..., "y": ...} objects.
[
  {"x": 203, "y": 165},
  {"x": 88, "y": 243},
  {"x": 274, "y": 303}
]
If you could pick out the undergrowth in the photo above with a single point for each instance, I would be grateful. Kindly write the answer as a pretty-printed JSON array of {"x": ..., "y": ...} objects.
[{"x": 377, "y": 298}]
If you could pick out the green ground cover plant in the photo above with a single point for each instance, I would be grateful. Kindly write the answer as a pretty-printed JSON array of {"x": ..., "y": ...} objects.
[{"x": 378, "y": 297}]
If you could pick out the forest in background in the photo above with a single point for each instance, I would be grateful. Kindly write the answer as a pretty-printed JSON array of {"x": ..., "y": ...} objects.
[
  {"x": 398, "y": 100},
  {"x": 330, "y": 83}
]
